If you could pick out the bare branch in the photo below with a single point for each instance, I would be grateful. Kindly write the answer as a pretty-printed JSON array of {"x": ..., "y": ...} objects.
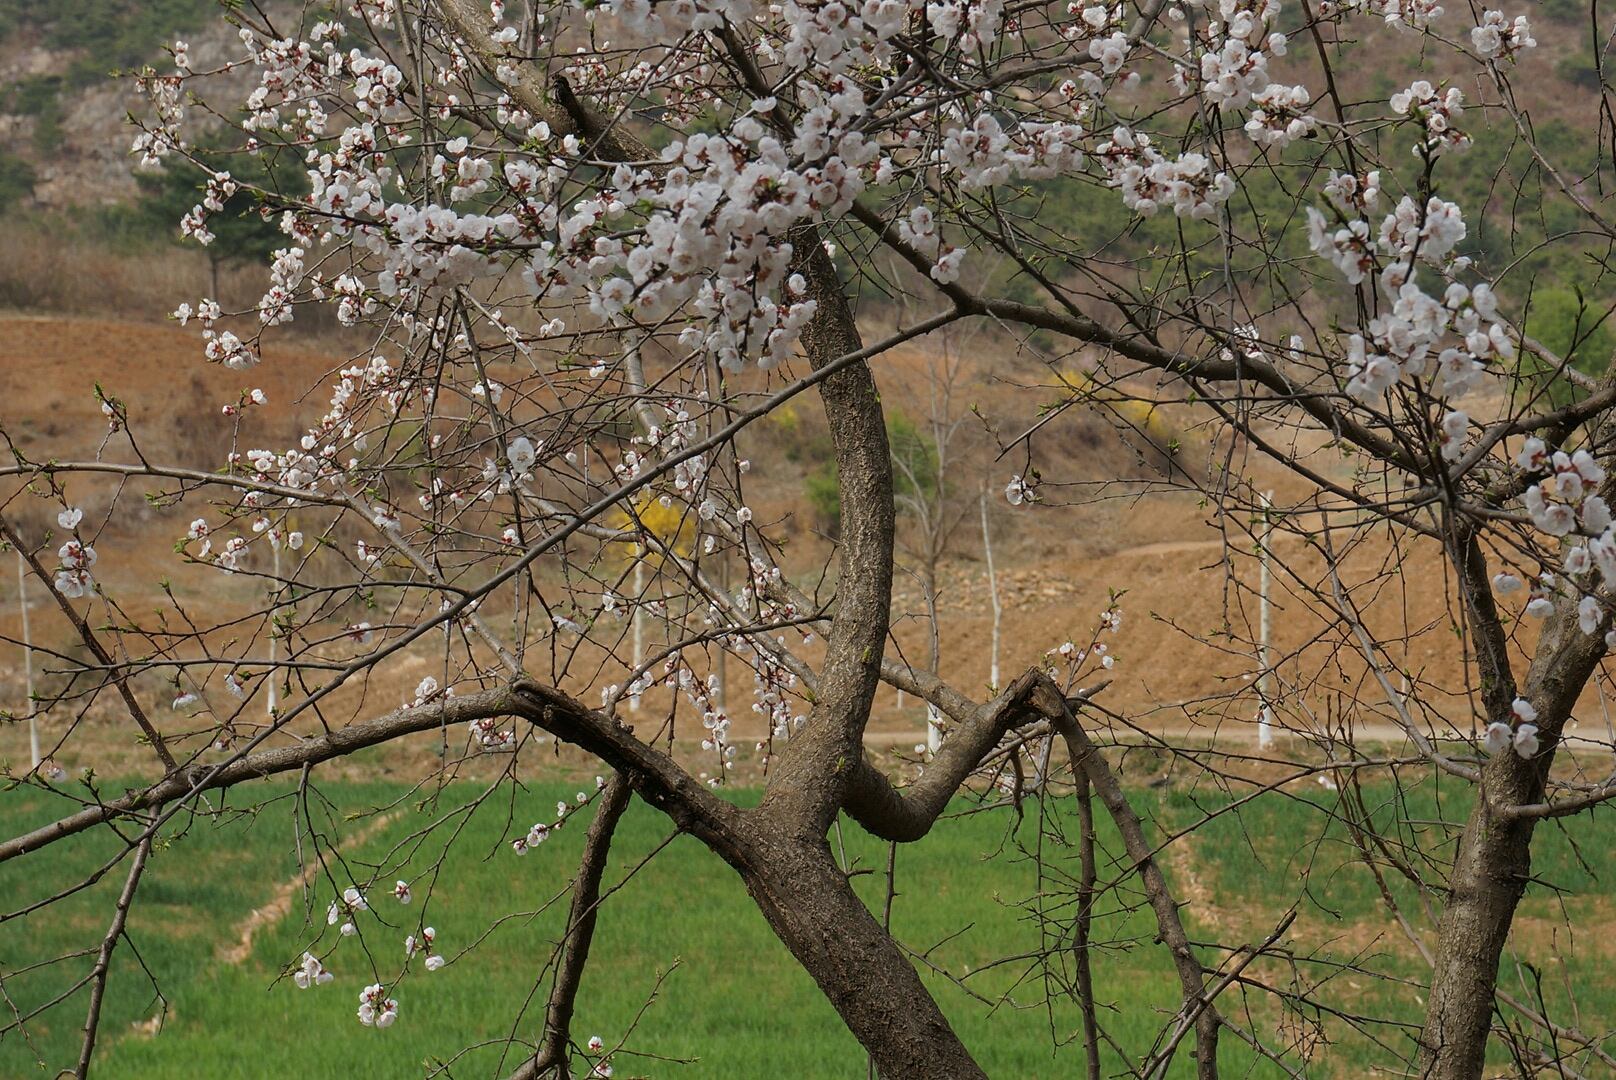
[
  {"x": 120, "y": 676},
  {"x": 1085, "y": 755},
  {"x": 103, "y": 959},
  {"x": 580, "y": 933}
]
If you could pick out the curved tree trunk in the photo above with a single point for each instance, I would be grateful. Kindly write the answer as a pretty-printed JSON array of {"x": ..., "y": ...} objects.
[
  {"x": 811, "y": 906},
  {"x": 780, "y": 849},
  {"x": 789, "y": 869}
]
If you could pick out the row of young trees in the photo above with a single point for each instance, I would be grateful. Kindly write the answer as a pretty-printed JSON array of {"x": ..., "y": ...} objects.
[{"x": 591, "y": 244}]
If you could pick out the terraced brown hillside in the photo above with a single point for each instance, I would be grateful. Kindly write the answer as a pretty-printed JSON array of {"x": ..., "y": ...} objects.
[{"x": 1181, "y": 583}]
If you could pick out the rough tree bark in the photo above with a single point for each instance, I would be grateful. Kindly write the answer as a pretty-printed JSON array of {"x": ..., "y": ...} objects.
[
  {"x": 792, "y": 873},
  {"x": 1494, "y": 859}
]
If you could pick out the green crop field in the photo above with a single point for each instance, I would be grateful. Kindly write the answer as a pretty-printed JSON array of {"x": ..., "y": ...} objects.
[{"x": 732, "y": 1003}]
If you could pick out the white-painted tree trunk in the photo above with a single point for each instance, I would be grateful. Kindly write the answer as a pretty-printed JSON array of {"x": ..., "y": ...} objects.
[
  {"x": 993, "y": 593},
  {"x": 273, "y": 638},
  {"x": 27, "y": 663},
  {"x": 1265, "y": 679},
  {"x": 639, "y": 618}
]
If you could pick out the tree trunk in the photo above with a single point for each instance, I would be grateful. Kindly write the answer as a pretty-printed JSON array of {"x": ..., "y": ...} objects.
[
  {"x": 810, "y": 777},
  {"x": 1495, "y": 852},
  {"x": 1488, "y": 878},
  {"x": 813, "y": 909}
]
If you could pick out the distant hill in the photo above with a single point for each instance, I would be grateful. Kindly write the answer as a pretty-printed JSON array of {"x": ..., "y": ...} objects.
[
  {"x": 62, "y": 137},
  {"x": 64, "y": 144}
]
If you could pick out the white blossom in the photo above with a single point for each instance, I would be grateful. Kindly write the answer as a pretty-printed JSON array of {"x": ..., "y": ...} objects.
[
  {"x": 1498, "y": 738},
  {"x": 311, "y": 972},
  {"x": 1589, "y": 614},
  {"x": 1526, "y": 743}
]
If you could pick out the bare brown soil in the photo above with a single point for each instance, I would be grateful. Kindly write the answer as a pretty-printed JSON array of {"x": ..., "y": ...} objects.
[{"x": 1184, "y": 662}]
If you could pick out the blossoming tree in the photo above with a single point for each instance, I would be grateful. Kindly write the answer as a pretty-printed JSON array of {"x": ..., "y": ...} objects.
[{"x": 590, "y": 244}]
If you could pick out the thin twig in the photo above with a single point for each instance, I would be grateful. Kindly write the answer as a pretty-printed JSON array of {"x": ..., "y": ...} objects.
[
  {"x": 103, "y": 960},
  {"x": 552, "y": 1054}
]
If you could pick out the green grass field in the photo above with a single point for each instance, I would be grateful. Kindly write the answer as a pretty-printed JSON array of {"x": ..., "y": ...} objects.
[{"x": 733, "y": 1004}]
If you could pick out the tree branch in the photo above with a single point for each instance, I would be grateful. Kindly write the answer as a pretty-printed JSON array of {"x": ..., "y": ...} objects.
[
  {"x": 120, "y": 679},
  {"x": 908, "y": 815},
  {"x": 810, "y": 781},
  {"x": 544, "y": 706},
  {"x": 1082, "y": 328},
  {"x": 1087, "y": 875},
  {"x": 555, "y": 104},
  {"x": 580, "y": 933},
  {"x": 103, "y": 959},
  {"x": 1191, "y": 975},
  {"x": 333, "y": 744}
]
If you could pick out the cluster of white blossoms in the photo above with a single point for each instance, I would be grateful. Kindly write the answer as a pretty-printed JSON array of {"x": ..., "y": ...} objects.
[
  {"x": 424, "y": 942},
  {"x": 345, "y": 908},
  {"x": 1147, "y": 179},
  {"x": 1434, "y": 110},
  {"x": 834, "y": 36},
  {"x": 1499, "y": 39},
  {"x": 1447, "y": 341},
  {"x": 486, "y": 734},
  {"x": 1520, "y": 732},
  {"x": 541, "y": 830},
  {"x": 1430, "y": 232},
  {"x": 73, "y": 578},
  {"x": 1352, "y": 194},
  {"x": 376, "y": 1008},
  {"x": 1409, "y": 342},
  {"x": 1236, "y": 45},
  {"x": 427, "y": 690},
  {"x": 222, "y": 347},
  {"x": 285, "y": 274},
  {"x": 310, "y": 972},
  {"x": 703, "y": 695},
  {"x": 538, "y": 834},
  {"x": 163, "y": 136},
  {"x": 984, "y": 155},
  {"x": 1565, "y": 503},
  {"x": 319, "y": 457},
  {"x": 1074, "y": 656},
  {"x": 1280, "y": 116},
  {"x": 688, "y": 480},
  {"x": 724, "y": 204},
  {"x": 702, "y": 237},
  {"x": 1227, "y": 66},
  {"x": 1403, "y": 14},
  {"x": 296, "y": 75},
  {"x": 773, "y": 685}
]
